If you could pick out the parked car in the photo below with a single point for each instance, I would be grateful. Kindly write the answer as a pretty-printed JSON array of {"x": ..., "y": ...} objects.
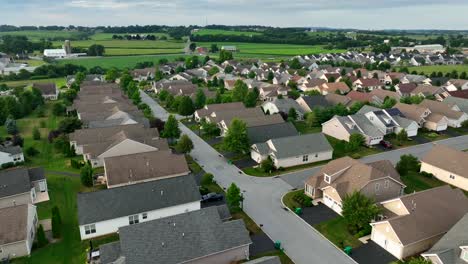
[
  {"x": 386, "y": 144},
  {"x": 212, "y": 197}
]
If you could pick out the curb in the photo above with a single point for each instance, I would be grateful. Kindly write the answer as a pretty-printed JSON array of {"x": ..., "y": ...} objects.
[{"x": 315, "y": 230}]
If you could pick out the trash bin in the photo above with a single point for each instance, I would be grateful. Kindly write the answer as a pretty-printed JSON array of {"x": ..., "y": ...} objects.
[
  {"x": 348, "y": 250},
  {"x": 278, "y": 244},
  {"x": 298, "y": 211},
  {"x": 230, "y": 162}
]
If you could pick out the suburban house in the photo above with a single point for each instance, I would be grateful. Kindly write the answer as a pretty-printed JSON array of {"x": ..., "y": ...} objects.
[
  {"x": 335, "y": 99},
  {"x": 427, "y": 90},
  {"x": 261, "y": 134},
  {"x": 116, "y": 116},
  {"x": 335, "y": 87},
  {"x": 362, "y": 97},
  {"x": 175, "y": 87},
  {"x": 405, "y": 89},
  {"x": 250, "y": 121},
  {"x": 448, "y": 165},
  {"x": 272, "y": 92},
  {"x": 311, "y": 85},
  {"x": 413, "y": 78},
  {"x": 212, "y": 109},
  {"x": 293, "y": 151},
  {"x": 342, "y": 127},
  {"x": 120, "y": 144},
  {"x": 452, "y": 248},
  {"x": 455, "y": 118},
  {"x": 456, "y": 84},
  {"x": 382, "y": 94},
  {"x": 22, "y": 186},
  {"x": 283, "y": 106},
  {"x": 19, "y": 224},
  {"x": 309, "y": 103},
  {"x": 143, "y": 74},
  {"x": 389, "y": 121},
  {"x": 88, "y": 78},
  {"x": 104, "y": 212},
  {"x": 423, "y": 116},
  {"x": 49, "y": 91},
  {"x": 143, "y": 167},
  {"x": 341, "y": 177},
  {"x": 457, "y": 104},
  {"x": 10, "y": 154},
  {"x": 82, "y": 137},
  {"x": 192, "y": 237},
  {"x": 415, "y": 222},
  {"x": 367, "y": 84}
]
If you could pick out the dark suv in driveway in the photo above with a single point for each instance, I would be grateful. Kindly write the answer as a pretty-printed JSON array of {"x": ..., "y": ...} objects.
[
  {"x": 212, "y": 197},
  {"x": 386, "y": 144}
]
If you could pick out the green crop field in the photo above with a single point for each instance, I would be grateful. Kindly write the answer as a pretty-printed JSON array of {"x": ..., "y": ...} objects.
[
  {"x": 127, "y": 44},
  {"x": 440, "y": 68},
  {"x": 36, "y": 35},
  {"x": 59, "y": 81},
  {"x": 124, "y": 52},
  {"x": 254, "y": 49},
  {"x": 108, "y": 36},
  {"x": 225, "y": 32},
  {"x": 119, "y": 62}
]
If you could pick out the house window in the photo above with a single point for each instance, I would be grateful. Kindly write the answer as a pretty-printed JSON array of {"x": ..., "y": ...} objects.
[
  {"x": 144, "y": 215},
  {"x": 31, "y": 233},
  {"x": 90, "y": 229},
  {"x": 386, "y": 184},
  {"x": 133, "y": 219},
  {"x": 377, "y": 187},
  {"x": 305, "y": 158},
  {"x": 327, "y": 178},
  {"x": 316, "y": 155},
  {"x": 452, "y": 177}
]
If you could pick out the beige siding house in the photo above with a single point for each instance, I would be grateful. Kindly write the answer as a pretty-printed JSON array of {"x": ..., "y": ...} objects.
[
  {"x": 414, "y": 223},
  {"x": 18, "y": 229},
  {"x": 377, "y": 180},
  {"x": 448, "y": 165}
]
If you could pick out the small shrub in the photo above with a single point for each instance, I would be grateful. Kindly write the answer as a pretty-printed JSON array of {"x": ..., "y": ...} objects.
[
  {"x": 427, "y": 174},
  {"x": 432, "y": 135},
  {"x": 356, "y": 156},
  {"x": 31, "y": 152},
  {"x": 41, "y": 237},
  {"x": 42, "y": 124},
  {"x": 36, "y": 134}
]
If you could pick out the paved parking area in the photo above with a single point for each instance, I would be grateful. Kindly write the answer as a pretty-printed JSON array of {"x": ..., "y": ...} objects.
[
  {"x": 244, "y": 163},
  {"x": 371, "y": 253},
  {"x": 317, "y": 214}
]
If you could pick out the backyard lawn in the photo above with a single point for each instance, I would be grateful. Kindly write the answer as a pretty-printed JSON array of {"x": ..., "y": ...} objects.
[
  {"x": 303, "y": 128},
  {"x": 416, "y": 182},
  {"x": 336, "y": 231}
]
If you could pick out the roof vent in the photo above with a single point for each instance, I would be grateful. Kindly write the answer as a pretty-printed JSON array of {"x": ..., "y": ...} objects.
[
  {"x": 174, "y": 223},
  {"x": 162, "y": 244},
  {"x": 162, "y": 192},
  {"x": 183, "y": 234}
]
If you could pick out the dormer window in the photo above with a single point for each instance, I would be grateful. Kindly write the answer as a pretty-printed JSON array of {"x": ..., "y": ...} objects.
[{"x": 327, "y": 178}]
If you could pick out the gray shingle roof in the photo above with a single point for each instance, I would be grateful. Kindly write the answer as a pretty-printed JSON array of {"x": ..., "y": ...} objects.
[
  {"x": 18, "y": 180},
  {"x": 13, "y": 150},
  {"x": 112, "y": 203},
  {"x": 109, "y": 252},
  {"x": 366, "y": 126},
  {"x": 180, "y": 238},
  {"x": 448, "y": 247},
  {"x": 263, "y": 133},
  {"x": 316, "y": 101},
  {"x": 300, "y": 145}
]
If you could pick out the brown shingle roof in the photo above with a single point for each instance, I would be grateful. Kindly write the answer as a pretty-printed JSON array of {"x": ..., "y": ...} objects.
[
  {"x": 99, "y": 135},
  {"x": 448, "y": 159},
  {"x": 350, "y": 175},
  {"x": 335, "y": 99},
  {"x": 14, "y": 222},
  {"x": 208, "y": 109},
  {"x": 336, "y": 86},
  {"x": 144, "y": 167},
  {"x": 413, "y": 112},
  {"x": 441, "y": 108},
  {"x": 432, "y": 212},
  {"x": 45, "y": 88},
  {"x": 360, "y": 97},
  {"x": 407, "y": 88}
]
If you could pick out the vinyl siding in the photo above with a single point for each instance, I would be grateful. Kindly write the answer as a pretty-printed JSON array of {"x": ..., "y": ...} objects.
[{"x": 443, "y": 175}]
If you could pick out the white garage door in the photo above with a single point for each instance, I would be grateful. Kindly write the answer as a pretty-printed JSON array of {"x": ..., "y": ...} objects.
[
  {"x": 386, "y": 244},
  {"x": 332, "y": 204}
]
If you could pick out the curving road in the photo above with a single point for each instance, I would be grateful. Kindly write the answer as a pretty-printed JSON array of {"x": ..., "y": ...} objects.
[{"x": 304, "y": 245}]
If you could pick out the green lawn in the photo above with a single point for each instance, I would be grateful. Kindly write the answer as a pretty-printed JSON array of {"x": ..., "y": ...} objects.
[
  {"x": 48, "y": 157},
  {"x": 119, "y": 62},
  {"x": 440, "y": 68},
  {"x": 258, "y": 172},
  {"x": 255, "y": 49},
  {"x": 59, "y": 81},
  {"x": 339, "y": 149},
  {"x": 205, "y": 31},
  {"x": 290, "y": 202},
  {"x": 416, "y": 182},
  {"x": 336, "y": 231},
  {"x": 32, "y": 63},
  {"x": 125, "y": 52},
  {"x": 303, "y": 128}
]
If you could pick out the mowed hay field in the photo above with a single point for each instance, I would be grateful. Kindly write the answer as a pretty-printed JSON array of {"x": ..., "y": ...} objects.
[
  {"x": 119, "y": 62},
  {"x": 440, "y": 68},
  {"x": 271, "y": 49},
  {"x": 204, "y": 31},
  {"x": 131, "y": 47},
  {"x": 36, "y": 35},
  {"x": 108, "y": 36}
]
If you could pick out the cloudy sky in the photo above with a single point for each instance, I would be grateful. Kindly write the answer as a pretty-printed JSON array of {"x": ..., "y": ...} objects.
[{"x": 362, "y": 14}]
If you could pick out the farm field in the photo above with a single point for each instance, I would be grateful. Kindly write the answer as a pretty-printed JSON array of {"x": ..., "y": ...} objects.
[
  {"x": 127, "y": 52},
  {"x": 119, "y": 62},
  {"x": 440, "y": 68},
  {"x": 59, "y": 81},
  {"x": 252, "y": 49},
  {"x": 129, "y": 44},
  {"x": 204, "y": 31},
  {"x": 36, "y": 35}
]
